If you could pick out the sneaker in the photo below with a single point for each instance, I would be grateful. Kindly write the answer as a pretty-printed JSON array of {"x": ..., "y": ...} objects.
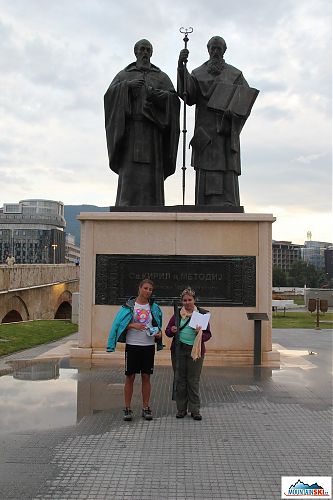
[
  {"x": 146, "y": 413},
  {"x": 181, "y": 414},
  {"x": 196, "y": 416},
  {"x": 128, "y": 415}
]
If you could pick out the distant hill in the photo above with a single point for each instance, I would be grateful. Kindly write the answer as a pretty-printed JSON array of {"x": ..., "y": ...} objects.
[{"x": 72, "y": 224}]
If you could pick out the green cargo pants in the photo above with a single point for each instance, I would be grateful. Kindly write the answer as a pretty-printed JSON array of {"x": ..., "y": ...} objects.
[{"x": 187, "y": 378}]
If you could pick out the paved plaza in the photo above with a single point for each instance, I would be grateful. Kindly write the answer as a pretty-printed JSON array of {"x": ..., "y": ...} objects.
[{"x": 65, "y": 438}]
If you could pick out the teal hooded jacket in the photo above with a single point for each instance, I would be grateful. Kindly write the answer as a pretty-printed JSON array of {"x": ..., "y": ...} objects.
[{"x": 124, "y": 317}]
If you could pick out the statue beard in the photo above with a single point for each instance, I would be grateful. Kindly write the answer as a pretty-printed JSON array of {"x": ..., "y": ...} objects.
[
  {"x": 215, "y": 66},
  {"x": 143, "y": 63}
]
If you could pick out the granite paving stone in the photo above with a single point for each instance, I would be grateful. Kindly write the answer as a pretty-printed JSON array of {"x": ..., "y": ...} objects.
[{"x": 257, "y": 426}]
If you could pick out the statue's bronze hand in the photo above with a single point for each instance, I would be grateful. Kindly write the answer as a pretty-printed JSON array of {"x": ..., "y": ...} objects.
[
  {"x": 137, "y": 83},
  {"x": 183, "y": 56}
]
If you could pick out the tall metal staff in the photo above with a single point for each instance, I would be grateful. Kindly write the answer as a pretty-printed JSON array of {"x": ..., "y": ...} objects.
[
  {"x": 176, "y": 363},
  {"x": 185, "y": 31}
]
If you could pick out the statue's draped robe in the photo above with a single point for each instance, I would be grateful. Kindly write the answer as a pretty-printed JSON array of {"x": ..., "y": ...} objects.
[
  {"x": 142, "y": 131},
  {"x": 215, "y": 144}
]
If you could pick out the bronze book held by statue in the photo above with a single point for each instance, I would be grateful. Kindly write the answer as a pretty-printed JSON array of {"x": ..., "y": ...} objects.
[{"x": 236, "y": 98}]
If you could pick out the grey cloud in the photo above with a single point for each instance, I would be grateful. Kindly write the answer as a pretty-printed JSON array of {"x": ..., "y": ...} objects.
[
  {"x": 275, "y": 113},
  {"x": 12, "y": 151},
  {"x": 268, "y": 85},
  {"x": 280, "y": 189},
  {"x": 288, "y": 155},
  {"x": 7, "y": 147},
  {"x": 84, "y": 101},
  {"x": 278, "y": 170},
  {"x": 309, "y": 158},
  {"x": 11, "y": 178},
  {"x": 255, "y": 13},
  {"x": 5, "y": 31},
  {"x": 11, "y": 55},
  {"x": 58, "y": 61},
  {"x": 44, "y": 60},
  {"x": 56, "y": 64}
]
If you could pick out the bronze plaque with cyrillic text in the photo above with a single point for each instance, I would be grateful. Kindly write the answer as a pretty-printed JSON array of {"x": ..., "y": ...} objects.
[{"x": 218, "y": 280}]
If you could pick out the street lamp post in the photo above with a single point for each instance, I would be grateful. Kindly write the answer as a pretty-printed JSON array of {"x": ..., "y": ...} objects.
[{"x": 54, "y": 246}]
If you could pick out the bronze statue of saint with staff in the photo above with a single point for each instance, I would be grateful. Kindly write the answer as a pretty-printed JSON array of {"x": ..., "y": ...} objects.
[
  {"x": 223, "y": 102},
  {"x": 142, "y": 130},
  {"x": 142, "y": 126}
]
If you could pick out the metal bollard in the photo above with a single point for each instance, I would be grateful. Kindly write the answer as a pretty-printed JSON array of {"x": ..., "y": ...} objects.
[{"x": 258, "y": 318}]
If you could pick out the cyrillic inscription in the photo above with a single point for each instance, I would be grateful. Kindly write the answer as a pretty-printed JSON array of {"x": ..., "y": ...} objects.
[{"x": 217, "y": 280}]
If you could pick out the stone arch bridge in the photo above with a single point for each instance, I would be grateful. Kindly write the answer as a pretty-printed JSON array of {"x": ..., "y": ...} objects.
[{"x": 37, "y": 291}]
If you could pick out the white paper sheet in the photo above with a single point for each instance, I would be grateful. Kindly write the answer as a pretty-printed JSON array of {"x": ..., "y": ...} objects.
[{"x": 198, "y": 319}]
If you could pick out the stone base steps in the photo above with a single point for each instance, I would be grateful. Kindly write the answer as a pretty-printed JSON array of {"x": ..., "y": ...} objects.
[{"x": 162, "y": 358}]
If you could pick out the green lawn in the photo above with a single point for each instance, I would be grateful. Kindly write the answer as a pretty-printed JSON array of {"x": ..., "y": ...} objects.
[
  {"x": 17, "y": 336},
  {"x": 299, "y": 301},
  {"x": 301, "y": 320}
]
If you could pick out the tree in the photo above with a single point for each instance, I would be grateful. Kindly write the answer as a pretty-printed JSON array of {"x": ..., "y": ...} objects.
[
  {"x": 324, "y": 281},
  {"x": 302, "y": 273},
  {"x": 279, "y": 277}
]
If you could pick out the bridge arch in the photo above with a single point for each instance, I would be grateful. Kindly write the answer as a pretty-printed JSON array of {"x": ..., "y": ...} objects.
[
  {"x": 12, "y": 317},
  {"x": 14, "y": 309},
  {"x": 64, "y": 306}
]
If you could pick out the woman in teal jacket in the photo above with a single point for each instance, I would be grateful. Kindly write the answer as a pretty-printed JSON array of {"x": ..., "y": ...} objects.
[{"x": 138, "y": 323}]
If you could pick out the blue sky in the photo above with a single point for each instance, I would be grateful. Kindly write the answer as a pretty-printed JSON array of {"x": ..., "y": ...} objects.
[{"x": 58, "y": 58}]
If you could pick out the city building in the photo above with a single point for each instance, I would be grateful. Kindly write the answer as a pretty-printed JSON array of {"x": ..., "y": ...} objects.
[
  {"x": 32, "y": 231},
  {"x": 314, "y": 253},
  {"x": 72, "y": 252},
  {"x": 284, "y": 254}
]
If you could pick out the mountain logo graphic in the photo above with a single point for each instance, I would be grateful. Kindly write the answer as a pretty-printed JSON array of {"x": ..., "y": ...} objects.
[
  {"x": 302, "y": 486},
  {"x": 306, "y": 487}
]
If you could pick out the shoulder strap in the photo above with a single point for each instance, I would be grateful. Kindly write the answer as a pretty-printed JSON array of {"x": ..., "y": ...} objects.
[{"x": 186, "y": 323}]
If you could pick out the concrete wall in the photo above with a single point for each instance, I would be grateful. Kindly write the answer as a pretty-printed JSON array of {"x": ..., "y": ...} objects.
[{"x": 27, "y": 275}]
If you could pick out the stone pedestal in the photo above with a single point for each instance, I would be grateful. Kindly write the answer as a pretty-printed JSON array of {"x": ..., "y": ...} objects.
[{"x": 179, "y": 234}]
